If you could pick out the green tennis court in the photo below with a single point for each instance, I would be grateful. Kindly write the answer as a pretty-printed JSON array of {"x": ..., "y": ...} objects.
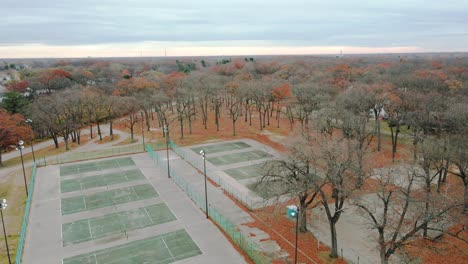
[
  {"x": 268, "y": 190},
  {"x": 238, "y": 157},
  {"x": 246, "y": 172},
  {"x": 161, "y": 249},
  {"x": 102, "y": 199},
  {"x": 222, "y": 147},
  {"x": 95, "y": 166},
  {"x": 116, "y": 223},
  {"x": 100, "y": 180}
]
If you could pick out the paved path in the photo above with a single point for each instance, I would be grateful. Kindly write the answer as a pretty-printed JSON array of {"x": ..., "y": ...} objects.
[
  {"x": 223, "y": 205},
  {"x": 355, "y": 237}
]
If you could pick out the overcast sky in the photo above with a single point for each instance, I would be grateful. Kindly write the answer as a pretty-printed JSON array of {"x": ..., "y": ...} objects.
[{"x": 61, "y": 28}]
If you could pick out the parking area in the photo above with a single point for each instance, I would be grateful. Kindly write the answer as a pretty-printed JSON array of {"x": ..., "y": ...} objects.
[{"x": 118, "y": 210}]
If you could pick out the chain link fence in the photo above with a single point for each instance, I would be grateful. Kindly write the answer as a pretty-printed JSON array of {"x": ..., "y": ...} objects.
[
  {"x": 244, "y": 242},
  {"x": 89, "y": 155},
  {"x": 27, "y": 208},
  {"x": 197, "y": 162}
]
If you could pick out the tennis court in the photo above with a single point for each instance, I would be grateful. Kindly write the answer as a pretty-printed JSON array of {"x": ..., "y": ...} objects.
[
  {"x": 100, "y": 180},
  {"x": 161, "y": 249},
  {"x": 246, "y": 172},
  {"x": 95, "y": 166},
  {"x": 115, "y": 223},
  {"x": 107, "y": 198},
  {"x": 222, "y": 147},
  {"x": 238, "y": 157}
]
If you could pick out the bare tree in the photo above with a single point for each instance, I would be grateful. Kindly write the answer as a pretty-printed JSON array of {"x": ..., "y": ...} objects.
[
  {"x": 337, "y": 158},
  {"x": 394, "y": 212},
  {"x": 293, "y": 176}
]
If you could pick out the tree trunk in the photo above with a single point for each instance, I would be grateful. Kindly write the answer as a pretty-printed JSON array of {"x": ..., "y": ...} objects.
[
  {"x": 377, "y": 128},
  {"x": 111, "y": 131},
  {"x": 382, "y": 248},
  {"x": 54, "y": 138},
  {"x": 394, "y": 135},
  {"x": 91, "y": 129},
  {"x": 334, "y": 240},
  {"x": 233, "y": 127},
  {"x": 278, "y": 118},
  {"x": 67, "y": 147},
  {"x": 465, "y": 196},
  {"x": 302, "y": 219},
  {"x": 99, "y": 131},
  {"x": 181, "y": 123}
]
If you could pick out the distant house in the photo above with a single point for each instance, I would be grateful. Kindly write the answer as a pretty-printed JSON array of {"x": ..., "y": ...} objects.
[{"x": 383, "y": 114}]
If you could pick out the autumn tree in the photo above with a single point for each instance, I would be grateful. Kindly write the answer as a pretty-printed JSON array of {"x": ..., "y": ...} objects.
[
  {"x": 54, "y": 79},
  {"x": 280, "y": 94},
  {"x": 353, "y": 106},
  {"x": 12, "y": 130},
  {"x": 130, "y": 107},
  {"x": 336, "y": 157},
  {"x": 293, "y": 176},
  {"x": 18, "y": 86},
  {"x": 234, "y": 103}
]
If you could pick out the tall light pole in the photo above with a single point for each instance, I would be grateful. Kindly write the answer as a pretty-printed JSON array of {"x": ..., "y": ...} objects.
[
  {"x": 203, "y": 154},
  {"x": 166, "y": 133},
  {"x": 294, "y": 212},
  {"x": 3, "y": 205},
  {"x": 29, "y": 121},
  {"x": 20, "y": 147},
  {"x": 142, "y": 129}
]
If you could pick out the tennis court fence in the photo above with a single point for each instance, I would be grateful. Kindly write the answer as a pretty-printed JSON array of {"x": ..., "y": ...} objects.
[
  {"x": 27, "y": 208},
  {"x": 241, "y": 240}
]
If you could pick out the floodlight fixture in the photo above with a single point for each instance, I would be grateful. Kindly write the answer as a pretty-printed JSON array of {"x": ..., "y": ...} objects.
[
  {"x": 3, "y": 205},
  {"x": 19, "y": 146},
  {"x": 203, "y": 153}
]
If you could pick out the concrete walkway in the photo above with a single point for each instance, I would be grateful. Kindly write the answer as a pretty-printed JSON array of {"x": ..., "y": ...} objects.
[{"x": 224, "y": 205}]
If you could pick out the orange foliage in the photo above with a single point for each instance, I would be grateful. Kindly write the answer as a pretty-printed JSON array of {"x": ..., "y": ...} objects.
[
  {"x": 454, "y": 84},
  {"x": 171, "y": 81},
  {"x": 436, "y": 65},
  {"x": 12, "y": 130},
  {"x": 138, "y": 83},
  {"x": 226, "y": 69},
  {"x": 436, "y": 75},
  {"x": 282, "y": 92},
  {"x": 18, "y": 86},
  {"x": 239, "y": 64},
  {"x": 53, "y": 74}
]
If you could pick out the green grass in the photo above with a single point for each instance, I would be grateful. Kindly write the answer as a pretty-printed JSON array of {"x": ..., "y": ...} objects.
[
  {"x": 100, "y": 180},
  {"x": 115, "y": 223},
  {"x": 161, "y": 249},
  {"x": 222, "y": 147},
  {"x": 238, "y": 157},
  {"x": 102, "y": 199}
]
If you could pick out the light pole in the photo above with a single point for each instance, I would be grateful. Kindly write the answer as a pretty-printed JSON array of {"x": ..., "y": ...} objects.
[
  {"x": 203, "y": 154},
  {"x": 294, "y": 212},
  {"x": 29, "y": 121},
  {"x": 166, "y": 133},
  {"x": 3, "y": 205},
  {"x": 20, "y": 147},
  {"x": 142, "y": 129}
]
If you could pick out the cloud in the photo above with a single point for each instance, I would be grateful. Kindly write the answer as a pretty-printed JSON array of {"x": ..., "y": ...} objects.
[{"x": 426, "y": 24}]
